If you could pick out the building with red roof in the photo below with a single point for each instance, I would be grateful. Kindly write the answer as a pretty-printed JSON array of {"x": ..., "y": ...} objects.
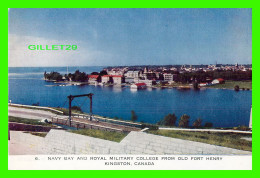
[
  {"x": 94, "y": 79},
  {"x": 106, "y": 79},
  {"x": 116, "y": 79},
  {"x": 138, "y": 86},
  {"x": 218, "y": 81},
  {"x": 93, "y": 76}
]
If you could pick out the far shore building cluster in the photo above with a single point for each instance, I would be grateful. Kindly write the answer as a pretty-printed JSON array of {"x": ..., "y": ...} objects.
[{"x": 143, "y": 77}]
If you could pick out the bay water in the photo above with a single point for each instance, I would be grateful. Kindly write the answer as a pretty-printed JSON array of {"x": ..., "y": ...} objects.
[{"x": 224, "y": 108}]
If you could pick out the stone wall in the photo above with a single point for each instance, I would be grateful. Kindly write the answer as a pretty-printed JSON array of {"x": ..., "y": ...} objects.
[{"x": 62, "y": 142}]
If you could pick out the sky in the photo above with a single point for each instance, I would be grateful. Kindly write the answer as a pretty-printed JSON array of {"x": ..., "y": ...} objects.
[{"x": 119, "y": 37}]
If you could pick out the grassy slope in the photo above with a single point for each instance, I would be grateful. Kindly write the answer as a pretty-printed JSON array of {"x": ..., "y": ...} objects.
[
  {"x": 27, "y": 121},
  {"x": 106, "y": 135},
  {"x": 112, "y": 136},
  {"x": 40, "y": 134},
  {"x": 232, "y": 140},
  {"x": 232, "y": 84}
]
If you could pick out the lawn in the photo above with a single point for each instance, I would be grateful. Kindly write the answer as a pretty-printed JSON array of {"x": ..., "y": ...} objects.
[
  {"x": 40, "y": 134},
  {"x": 231, "y": 84},
  {"x": 106, "y": 135},
  {"x": 27, "y": 121},
  {"x": 232, "y": 140}
]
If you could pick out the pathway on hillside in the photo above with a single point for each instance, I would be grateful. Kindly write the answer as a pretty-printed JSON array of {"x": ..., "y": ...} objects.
[
  {"x": 30, "y": 113},
  {"x": 42, "y": 115}
]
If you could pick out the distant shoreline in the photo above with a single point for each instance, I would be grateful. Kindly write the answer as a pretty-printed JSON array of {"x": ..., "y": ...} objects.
[
  {"x": 176, "y": 86},
  {"x": 120, "y": 65}
]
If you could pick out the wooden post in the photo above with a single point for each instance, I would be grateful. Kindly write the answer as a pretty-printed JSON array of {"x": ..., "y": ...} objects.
[{"x": 71, "y": 97}]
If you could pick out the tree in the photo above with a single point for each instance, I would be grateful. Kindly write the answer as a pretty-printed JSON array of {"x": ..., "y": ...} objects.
[
  {"x": 78, "y": 76},
  {"x": 197, "y": 123},
  {"x": 236, "y": 88},
  {"x": 45, "y": 75},
  {"x": 94, "y": 73},
  {"x": 168, "y": 120},
  {"x": 36, "y": 104},
  {"x": 103, "y": 72},
  {"x": 81, "y": 77},
  {"x": 76, "y": 108},
  {"x": 208, "y": 124},
  {"x": 57, "y": 76},
  {"x": 133, "y": 116},
  {"x": 184, "y": 121},
  {"x": 196, "y": 85},
  {"x": 53, "y": 76}
]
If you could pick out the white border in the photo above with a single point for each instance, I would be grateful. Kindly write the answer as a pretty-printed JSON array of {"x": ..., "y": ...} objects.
[{"x": 87, "y": 162}]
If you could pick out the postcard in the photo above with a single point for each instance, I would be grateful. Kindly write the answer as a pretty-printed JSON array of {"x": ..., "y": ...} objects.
[{"x": 130, "y": 89}]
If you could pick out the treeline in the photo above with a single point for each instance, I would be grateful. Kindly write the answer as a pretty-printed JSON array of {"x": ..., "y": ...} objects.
[
  {"x": 201, "y": 76},
  {"x": 77, "y": 76},
  {"x": 170, "y": 120},
  {"x": 186, "y": 77},
  {"x": 140, "y": 67},
  {"x": 52, "y": 76}
]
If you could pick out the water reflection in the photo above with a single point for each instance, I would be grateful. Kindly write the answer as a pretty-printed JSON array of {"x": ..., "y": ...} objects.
[
  {"x": 117, "y": 88},
  {"x": 221, "y": 107},
  {"x": 133, "y": 90},
  {"x": 149, "y": 89}
]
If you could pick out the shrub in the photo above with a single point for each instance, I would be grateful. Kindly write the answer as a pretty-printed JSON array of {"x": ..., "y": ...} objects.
[
  {"x": 184, "y": 121},
  {"x": 208, "y": 124},
  {"x": 236, "y": 88},
  {"x": 36, "y": 104},
  {"x": 243, "y": 128},
  {"x": 168, "y": 120},
  {"x": 76, "y": 108},
  {"x": 133, "y": 116},
  {"x": 197, "y": 123},
  {"x": 150, "y": 126}
]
